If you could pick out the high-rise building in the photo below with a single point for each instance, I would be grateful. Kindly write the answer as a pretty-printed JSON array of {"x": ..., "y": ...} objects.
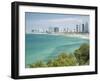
[
  {"x": 77, "y": 28},
  {"x": 83, "y": 28},
  {"x": 51, "y": 29},
  {"x": 56, "y": 29},
  {"x": 64, "y": 30},
  {"x": 86, "y": 28},
  {"x": 67, "y": 29}
]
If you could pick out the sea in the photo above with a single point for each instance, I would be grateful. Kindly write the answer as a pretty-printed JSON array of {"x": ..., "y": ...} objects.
[{"x": 45, "y": 47}]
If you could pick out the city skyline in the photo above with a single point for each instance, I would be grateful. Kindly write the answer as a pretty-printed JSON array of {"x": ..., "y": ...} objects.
[{"x": 65, "y": 22}]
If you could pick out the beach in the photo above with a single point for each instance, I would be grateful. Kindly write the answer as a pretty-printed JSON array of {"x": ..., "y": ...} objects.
[
  {"x": 78, "y": 35},
  {"x": 84, "y": 36}
]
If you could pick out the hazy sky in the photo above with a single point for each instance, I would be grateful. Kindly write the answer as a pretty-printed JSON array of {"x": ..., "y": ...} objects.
[{"x": 45, "y": 20}]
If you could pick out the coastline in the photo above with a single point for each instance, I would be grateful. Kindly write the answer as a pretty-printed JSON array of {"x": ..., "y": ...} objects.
[
  {"x": 83, "y": 36},
  {"x": 50, "y": 45},
  {"x": 78, "y": 35}
]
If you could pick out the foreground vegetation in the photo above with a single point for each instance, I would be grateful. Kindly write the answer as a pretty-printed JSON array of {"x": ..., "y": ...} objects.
[{"x": 79, "y": 57}]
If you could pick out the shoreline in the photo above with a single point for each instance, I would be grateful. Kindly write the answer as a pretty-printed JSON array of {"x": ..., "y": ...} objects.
[
  {"x": 78, "y": 35},
  {"x": 83, "y": 36}
]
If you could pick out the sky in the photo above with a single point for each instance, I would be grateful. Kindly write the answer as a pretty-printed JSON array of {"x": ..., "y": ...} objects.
[{"x": 35, "y": 20}]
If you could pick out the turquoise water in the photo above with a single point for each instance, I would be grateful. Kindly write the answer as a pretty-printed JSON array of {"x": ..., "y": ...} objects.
[{"x": 45, "y": 47}]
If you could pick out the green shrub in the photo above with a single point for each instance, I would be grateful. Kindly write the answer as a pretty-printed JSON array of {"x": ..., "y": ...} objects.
[
  {"x": 63, "y": 60},
  {"x": 79, "y": 57},
  {"x": 82, "y": 54},
  {"x": 38, "y": 64}
]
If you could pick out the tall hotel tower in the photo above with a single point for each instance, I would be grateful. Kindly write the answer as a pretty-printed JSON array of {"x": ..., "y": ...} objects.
[{"x": 83, "y": 28}]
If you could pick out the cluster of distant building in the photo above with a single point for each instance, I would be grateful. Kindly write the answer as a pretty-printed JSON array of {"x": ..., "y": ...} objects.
[{"x": 79, "y": 28}]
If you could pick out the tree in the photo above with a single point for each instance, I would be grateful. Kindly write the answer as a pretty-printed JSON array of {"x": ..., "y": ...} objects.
[
  {"x": 82, "y": 54},
  {"x": 38, "y": 64},
  {"x": 79, "y": 57},
  {"x": 63, "y": 59}
]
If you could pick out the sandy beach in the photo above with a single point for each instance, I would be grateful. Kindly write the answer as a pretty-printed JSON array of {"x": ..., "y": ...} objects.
[
  {"x": 79, "y": 35},
  {"x": 84, "y": 36}
]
